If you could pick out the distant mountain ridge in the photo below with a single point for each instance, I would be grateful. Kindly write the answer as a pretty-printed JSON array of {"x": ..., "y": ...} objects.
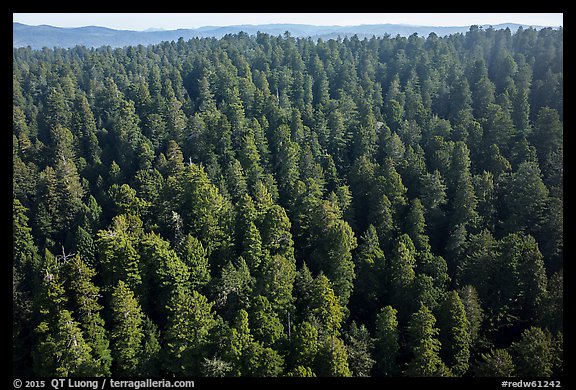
[{"x": 38, "y": 37}]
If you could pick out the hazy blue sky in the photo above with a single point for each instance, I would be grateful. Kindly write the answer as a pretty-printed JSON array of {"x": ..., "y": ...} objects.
[{"x": 172, "y": 21}]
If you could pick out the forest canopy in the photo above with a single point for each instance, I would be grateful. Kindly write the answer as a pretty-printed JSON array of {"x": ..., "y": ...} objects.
[{"x": 263, "y": 205}]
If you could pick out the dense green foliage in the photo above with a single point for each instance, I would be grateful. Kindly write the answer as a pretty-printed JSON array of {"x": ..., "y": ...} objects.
[{"x": 272, "y": 206}]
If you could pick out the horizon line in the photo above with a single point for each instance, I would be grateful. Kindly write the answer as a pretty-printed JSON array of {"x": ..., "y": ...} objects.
[{"x": 161, "y": 29}]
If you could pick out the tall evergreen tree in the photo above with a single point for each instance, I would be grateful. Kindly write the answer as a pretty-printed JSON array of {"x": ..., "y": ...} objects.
[
  {"x": 474, "y": 312},
  {"x": 63, "y": 352},
  {"x": 193, "y": 255},
  {"x": 84, "y": 299},
  {"x": 119, "y": 255},
  {"x": 127, "y": 334},
  {"x": 370, "y": 271},
  {"x": 360, "y": 345},
  {"x": 332, "y": 358},
  {"x": 163, "y": 273},
  {"x": 425, "y": 346},
  {"x": 533, "y": 353},
  {"x": 454, "y": 337},
  {"x": 387, "y": 343},
  {"x": 304, "y": 345},
  {"x": 326, "y": 307},
  {"x": 186, "y": 334},
  {"x": 496, "y": 363}
]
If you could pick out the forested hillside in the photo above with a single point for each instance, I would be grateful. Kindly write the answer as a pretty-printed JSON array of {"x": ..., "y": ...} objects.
[{"x": 263, "y": 205}]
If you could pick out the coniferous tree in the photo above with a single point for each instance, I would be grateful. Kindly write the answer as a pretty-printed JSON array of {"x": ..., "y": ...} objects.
[
  {"x": 474, "y": 312},
  {"x": 241, "y": 341},
  {"x": 186, "y": 334},
  {"x": 416, "y": 226},
  {"x": 127, "y": 332},
  {"x": 370, "y": 271},
  {"x": 301, "y": 371},
  {"x": 56, "y": 329},
  {"x": 454, "y": 337},
  {"x": 304, "y": 345},
  {"x": 84, "y": 299},
  {"x": 193, "y": 255},
  {"x": 332, "y": 358},
  {"x": 425, "y": 346},
  {"x": 463, "y": 205},
  {"x": 267, "y": 326},
  {"x": 204, "y": 210},
  {"x": 402, "y": 275},
  {"x": 533, "y": 353},
  {"x": 234, "y": 287},
  {"x": 387, "y": 343},
  {"x": 163, "y": 273},
  {"x": 325, "y": 306},
  {"x": 496, "y": 363},
  {"x": 149, "y": 364},
  {"x": 119, "y": 255},
  {"x": 84, "y": 123},
  {"x": 553, "y": 315},
  {"x": 359, "y": 344},
  {"x": 547, "y": 137},
  {"x": 525, "y": 197},
  {"x": 64, "y": 352},
  {"x": 26, "y": 257},
  {"x": 22, "y": 330}
]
